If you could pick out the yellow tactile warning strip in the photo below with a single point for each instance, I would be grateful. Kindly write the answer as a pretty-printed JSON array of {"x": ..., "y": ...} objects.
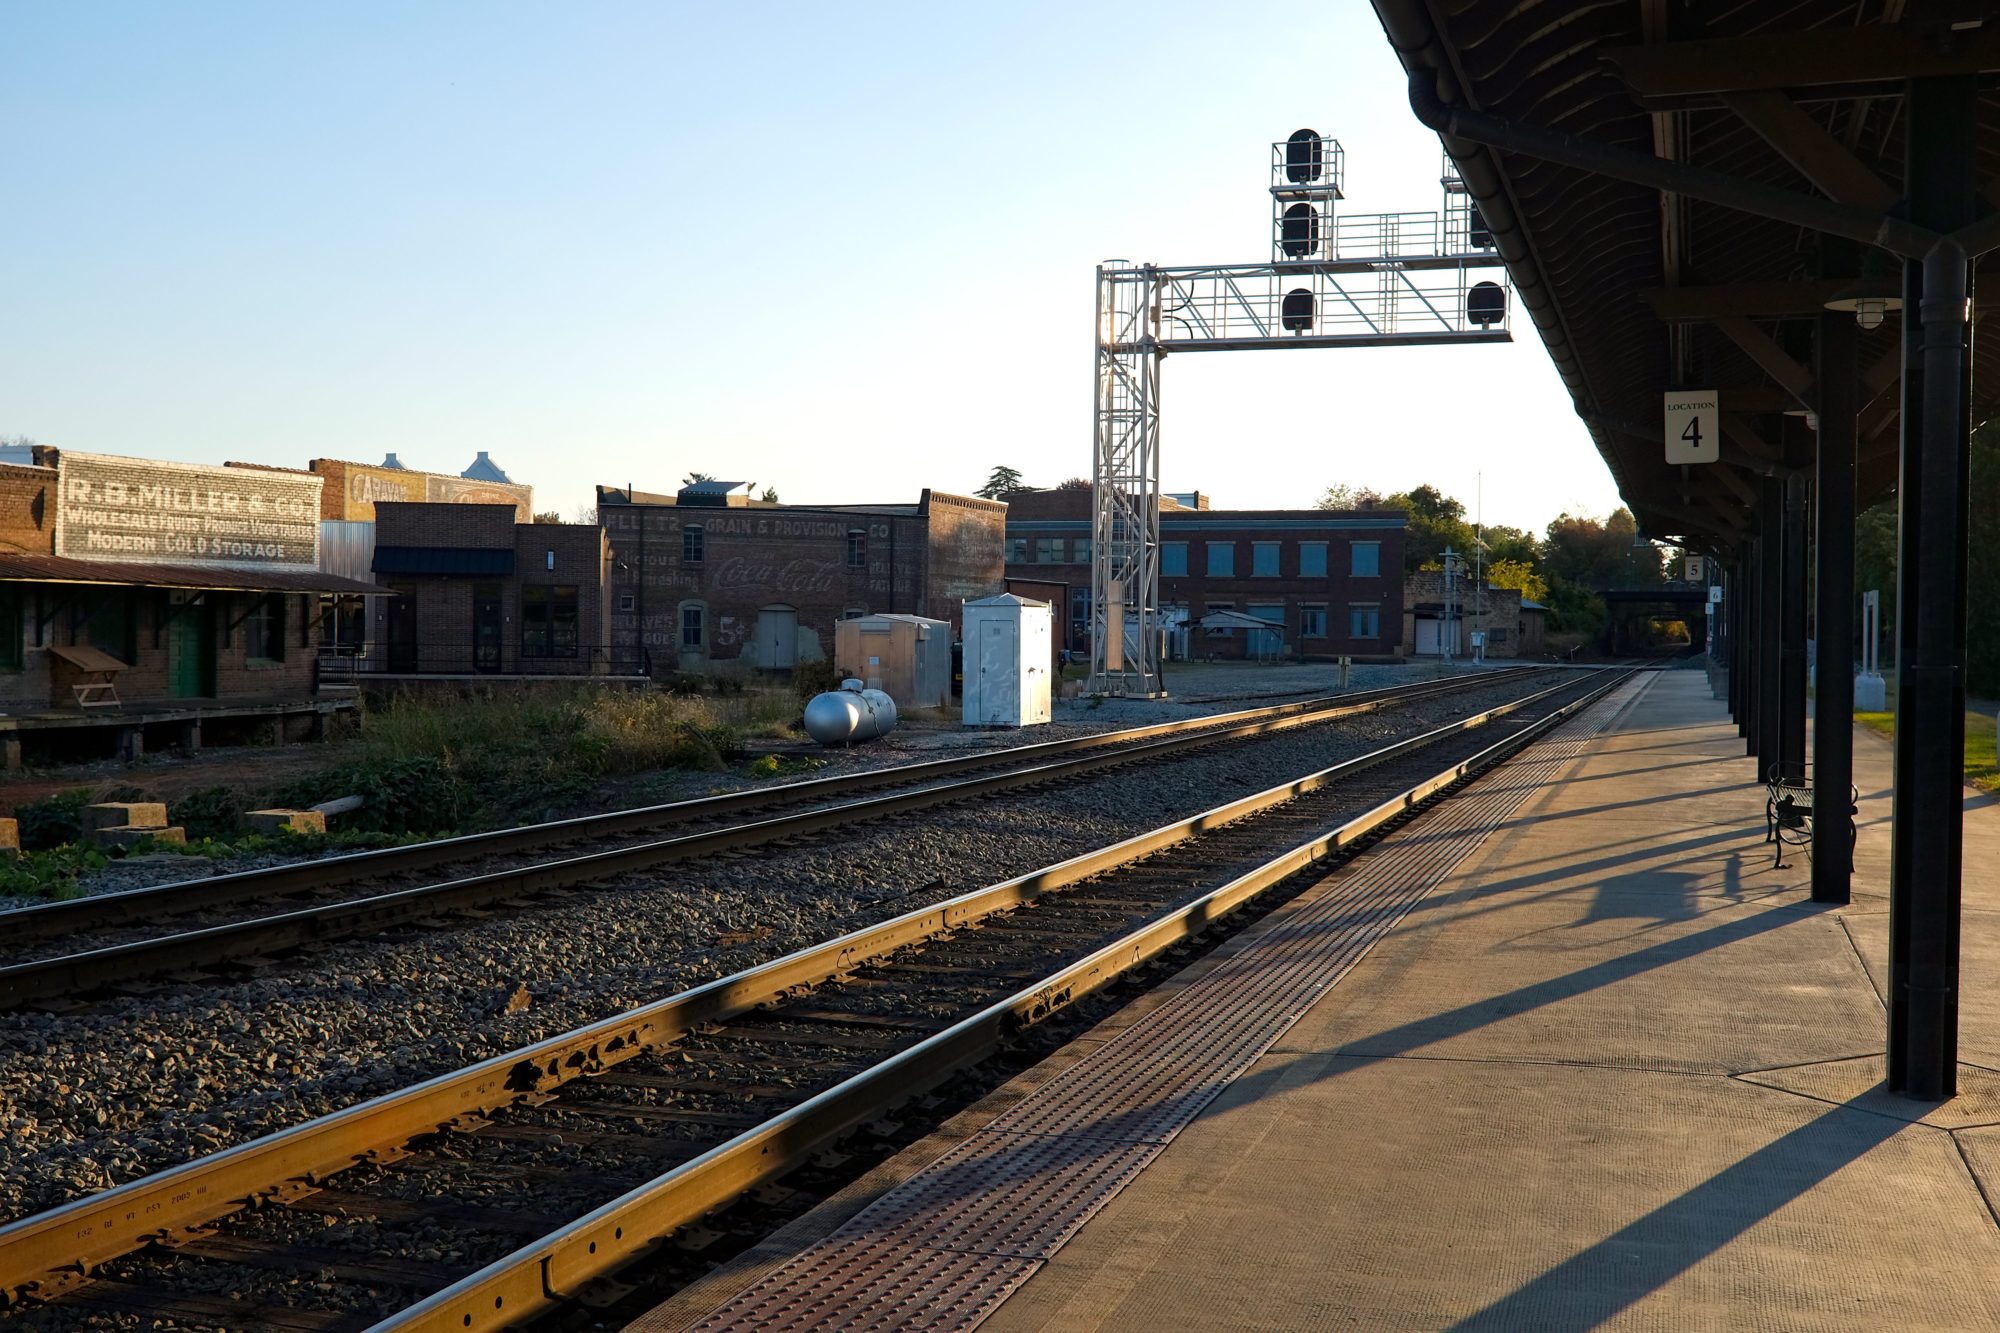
[{"x": 945, "y": 1247}]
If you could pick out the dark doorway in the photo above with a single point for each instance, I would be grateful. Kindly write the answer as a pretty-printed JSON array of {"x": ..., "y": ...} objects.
[
  {"x": 400, "y": 628},
  {"x": 486, "y": 627}
]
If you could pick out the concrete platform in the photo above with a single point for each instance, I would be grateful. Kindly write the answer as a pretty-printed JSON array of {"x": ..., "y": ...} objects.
[{"x": 1612, "y": 1070}]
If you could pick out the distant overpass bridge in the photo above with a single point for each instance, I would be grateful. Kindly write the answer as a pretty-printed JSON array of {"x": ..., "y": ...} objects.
[{"x": 1635, "y": 612}]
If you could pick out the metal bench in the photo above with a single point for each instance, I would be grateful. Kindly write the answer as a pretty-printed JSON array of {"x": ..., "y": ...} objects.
[{"x": 1788, "y": 816}]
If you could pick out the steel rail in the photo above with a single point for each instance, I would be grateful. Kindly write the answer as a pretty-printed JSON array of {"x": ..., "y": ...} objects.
[
  {"x": 547, "y": 1272},
  {"x": 42, "y": 1254},
  {"x": 65, "y": 975},
  {"x": 55, "y": 920}
]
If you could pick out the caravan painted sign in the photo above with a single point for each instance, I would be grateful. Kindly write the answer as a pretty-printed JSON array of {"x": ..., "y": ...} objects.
[{"x": 146, "y": 512}]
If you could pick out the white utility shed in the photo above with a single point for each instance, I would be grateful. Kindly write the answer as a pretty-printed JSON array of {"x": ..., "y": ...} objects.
[{"x": 1007, "y": 655}]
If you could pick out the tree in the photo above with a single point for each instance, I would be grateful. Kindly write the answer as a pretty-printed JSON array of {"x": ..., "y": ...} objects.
[
  {"x": 1346, "y": 497},
  {"x": 584, "y": 514},
  {"x": 18, "y": 442},
  {"x": 1005, "y": 481},
  {"x": 770, "y": 496},
  {"x": 1436, "y": 521},
  {"x": 1074, "y": 484},
  {"x": 696, "y": 479},
  {"x": 1505, "y": 544},
  {"x": 548, "y": 516},
  {"x": 1518, "y": 574}
]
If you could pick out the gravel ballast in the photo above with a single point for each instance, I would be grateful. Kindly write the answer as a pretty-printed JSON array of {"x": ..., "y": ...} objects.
[{"x": 129, "y": 1086}]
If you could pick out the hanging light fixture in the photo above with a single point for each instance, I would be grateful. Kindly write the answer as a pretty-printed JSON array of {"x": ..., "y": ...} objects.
[{"x": 1873, "y": 294}]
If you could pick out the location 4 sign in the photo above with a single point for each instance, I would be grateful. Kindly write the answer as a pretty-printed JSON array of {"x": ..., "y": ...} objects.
[{"x": 1692, "y": 426}]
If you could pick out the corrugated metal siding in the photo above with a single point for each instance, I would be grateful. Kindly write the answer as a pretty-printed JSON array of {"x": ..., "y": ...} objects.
[{"x": 347, "y": 548}]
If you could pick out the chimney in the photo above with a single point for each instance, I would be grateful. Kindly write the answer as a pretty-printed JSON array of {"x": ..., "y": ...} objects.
[{"x": 394, "y": 462}]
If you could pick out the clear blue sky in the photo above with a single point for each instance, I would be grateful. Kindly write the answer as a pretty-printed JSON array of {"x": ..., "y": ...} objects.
[{"x": 845, "y": 251}]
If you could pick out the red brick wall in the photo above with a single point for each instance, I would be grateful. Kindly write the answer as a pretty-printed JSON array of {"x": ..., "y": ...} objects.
[
  {"x": 1064, "y": 517},
  {"x": 27, "y": 512},
  {"x": 487, "y": 527},
  {"x": 967, "y": 553}
]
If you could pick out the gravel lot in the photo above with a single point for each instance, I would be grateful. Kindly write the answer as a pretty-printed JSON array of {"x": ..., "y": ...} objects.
[{"x": 130, "y": 1086}]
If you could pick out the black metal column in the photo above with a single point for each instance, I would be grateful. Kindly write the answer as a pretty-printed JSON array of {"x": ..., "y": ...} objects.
[
  {"x": 1770, "y": 628},
  {"x": 1736, "y": 600},
  {"x": 1791, "y": 728},
  {"x": 1753, "y": 642},
  {"x": 1833, "y": 611},
  {"x": 1926, "y": 853}
]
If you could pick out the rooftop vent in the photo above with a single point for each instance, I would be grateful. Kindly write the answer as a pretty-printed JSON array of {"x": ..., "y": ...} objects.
[
  {"x": 485, "y": 469},
  {"x": 394, "y": 462}
]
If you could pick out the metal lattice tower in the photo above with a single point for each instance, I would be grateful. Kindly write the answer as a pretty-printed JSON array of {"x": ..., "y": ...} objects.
[{"x": 1364, "y": 280}]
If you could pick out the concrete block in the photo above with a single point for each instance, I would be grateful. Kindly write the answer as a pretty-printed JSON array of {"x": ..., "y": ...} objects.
[
  {"x": 128, "y": 838},
  {"x": 285, "y": 821},
  {"x": 124, "y": 814}
]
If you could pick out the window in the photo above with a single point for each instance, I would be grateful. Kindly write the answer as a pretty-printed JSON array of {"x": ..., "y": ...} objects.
[
  {"x": 552, "y": 562},
  {"x": 854, "y": 613},
  {"x": 1221, "y": 559},
  {"x": 628, "y": 601},
  {"x": 1273, "y": 613},
  {"x": 1079, "y": 550},
  {"x": 691, "y": 629},
  {"x": 693, "y": 538},
  {"x": 1079, "y": 609},
  {"x": 1364, "y": 620},
  {"x": 1496, "y": 636},
  {"x": 548, "y": 621},
  {"x": 1312, "y": 620},
  {"x": 10, "y": 628},
  {"x": 1173, "y": 560},
  {"x": 263, "y": 630},
  {"x": 857, "y": 548},
  {"x": 1017, "y": 550},
  {"x": 1365, "y": 560},
  {"x": 1048, "y": 550},
  {"x": 1312, "y": 560},
  {"x": 1264, "y": 560}
]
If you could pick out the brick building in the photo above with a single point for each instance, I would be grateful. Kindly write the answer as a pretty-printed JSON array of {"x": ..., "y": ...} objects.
[
  {"x": 1512, "y": 624},
  {"x": 477, "y": 593},
  {"x": 137, "y": 594},
  {"x": 1329, "y": 583},
  {"x": 709, "y": 575}
]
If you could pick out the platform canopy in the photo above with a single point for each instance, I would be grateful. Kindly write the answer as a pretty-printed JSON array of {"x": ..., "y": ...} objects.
[
  {"x": 1635, "y": 289},
  {"x": 129, "y": 574}
]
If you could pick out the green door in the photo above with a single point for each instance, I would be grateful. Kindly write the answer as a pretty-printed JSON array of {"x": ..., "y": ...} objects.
[{"x": 190, "y": 646}]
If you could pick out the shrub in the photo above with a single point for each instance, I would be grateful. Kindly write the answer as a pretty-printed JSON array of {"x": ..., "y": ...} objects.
[
  {"x": 52, "y": 822},
  {"x": 810, "y": 678}
]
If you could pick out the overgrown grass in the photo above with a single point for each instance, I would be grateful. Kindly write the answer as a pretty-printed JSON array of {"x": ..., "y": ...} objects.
[
  {"x": 1982, "y": 752},
  {"x": 432, "y": 764},
  {"x": 438, "y": 764}
]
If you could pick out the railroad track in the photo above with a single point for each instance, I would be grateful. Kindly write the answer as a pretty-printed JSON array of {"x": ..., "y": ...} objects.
[
  {"x": 485, "y": 1197},
  {"x": 187, "y": 931}
]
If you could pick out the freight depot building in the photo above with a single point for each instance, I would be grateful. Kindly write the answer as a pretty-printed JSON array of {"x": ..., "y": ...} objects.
[
  {"x": 151, "y": 597},
  {"x": 1330, "y": 584},
  {"x": 709, "y": 576}
]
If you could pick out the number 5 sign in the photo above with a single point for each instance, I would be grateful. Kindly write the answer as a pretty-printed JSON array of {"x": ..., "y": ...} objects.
[{"x": 1691, "y": 426}]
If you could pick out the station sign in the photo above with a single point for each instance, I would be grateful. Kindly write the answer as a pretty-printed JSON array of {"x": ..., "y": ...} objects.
[
  {"x": 140, "y": 511},
  {"x": 1691, "y": 569},
  {"x": 1693, "y": 426}
]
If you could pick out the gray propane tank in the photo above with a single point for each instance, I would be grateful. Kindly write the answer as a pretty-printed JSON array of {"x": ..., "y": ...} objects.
[{"x": 850, "y": 713}]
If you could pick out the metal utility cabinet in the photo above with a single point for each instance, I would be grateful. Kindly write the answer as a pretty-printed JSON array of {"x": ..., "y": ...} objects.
[
  {"x": 906, "y": 657},
  {"x": 1007, "y": 655}
]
